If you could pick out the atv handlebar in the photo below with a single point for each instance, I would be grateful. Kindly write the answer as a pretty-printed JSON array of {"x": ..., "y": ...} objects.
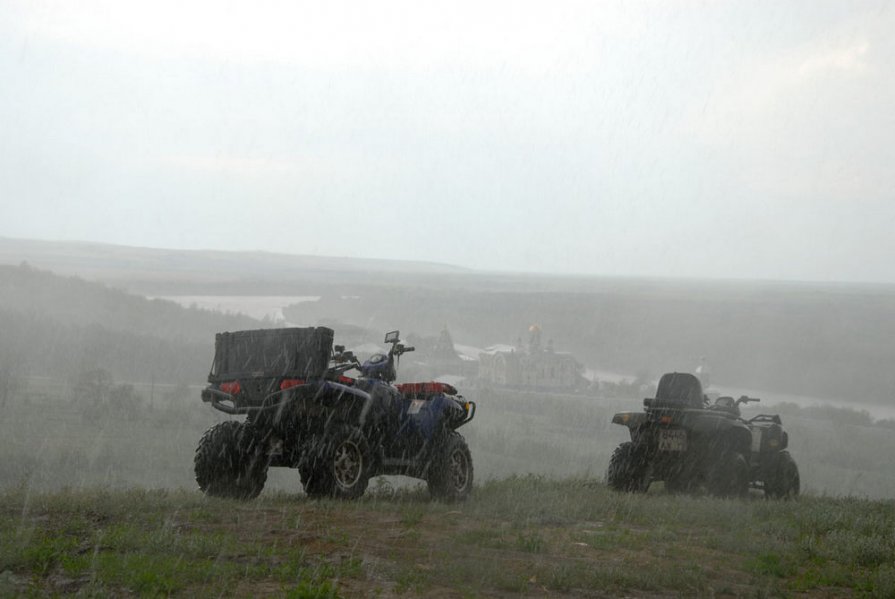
[
  {"x": 399, "y": 348},
  {"x": 746, "y": 399},
  {"x": 343, "y": 367}
]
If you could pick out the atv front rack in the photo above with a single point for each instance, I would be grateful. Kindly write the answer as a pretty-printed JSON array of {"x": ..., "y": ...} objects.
[{"x": 773, "y": 418}]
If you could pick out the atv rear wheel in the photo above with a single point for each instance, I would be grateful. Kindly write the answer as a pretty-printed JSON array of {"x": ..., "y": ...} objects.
[
  {"x": 451, "y": 472},
  {"x": 683, "y": 480},
  {"x": 230, "y": 461},
  {"x": 628, "y": 470},
  {"x": 342, "y": 466},
  {"x": 783, "y": 480},
  {"x": 317, "y": 482},
  {"x": 729, "y": 475}
]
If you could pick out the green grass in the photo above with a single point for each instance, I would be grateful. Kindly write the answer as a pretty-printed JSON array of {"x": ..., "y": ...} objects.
[{"x": 520, "y": 535}]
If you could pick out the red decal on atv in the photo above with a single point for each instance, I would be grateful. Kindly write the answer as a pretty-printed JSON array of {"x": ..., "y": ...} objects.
[
  {"x": 289, "y": 383},
  {"x": 430, "y": 388}
]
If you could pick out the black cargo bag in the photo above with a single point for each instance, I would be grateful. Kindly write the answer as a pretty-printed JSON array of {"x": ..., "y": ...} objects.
[{"x": 291, "y": 352}]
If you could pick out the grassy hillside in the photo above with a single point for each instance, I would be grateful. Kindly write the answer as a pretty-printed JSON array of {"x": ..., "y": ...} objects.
[
  {"x": 73, "y": 301},
  {"x": 519, "y": 536},
  {"x": 117, "y": 263},
  {"x": 62, "y": 327}
]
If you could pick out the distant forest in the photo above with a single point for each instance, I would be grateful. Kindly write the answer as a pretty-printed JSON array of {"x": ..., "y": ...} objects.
[
  {"x": 59, "y": 327},
  {"x": 826, "y": 341}
]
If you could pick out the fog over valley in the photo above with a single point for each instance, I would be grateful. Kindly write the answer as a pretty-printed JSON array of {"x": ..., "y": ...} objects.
[{"x": 98, "y": 356}]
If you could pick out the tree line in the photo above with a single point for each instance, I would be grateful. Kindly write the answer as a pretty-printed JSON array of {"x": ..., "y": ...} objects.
[{"x": 825, "y": 341}]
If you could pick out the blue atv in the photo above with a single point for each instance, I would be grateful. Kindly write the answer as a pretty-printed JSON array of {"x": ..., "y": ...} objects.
[{"x": 303, "y": 411}]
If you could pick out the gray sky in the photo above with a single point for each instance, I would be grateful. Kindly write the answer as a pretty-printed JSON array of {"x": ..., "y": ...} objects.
[{"x": 711, "y": 139}]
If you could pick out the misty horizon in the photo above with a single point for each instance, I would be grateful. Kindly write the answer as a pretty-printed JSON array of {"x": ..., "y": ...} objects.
[
  {"x": 699, "y": 141},
  {"x": 21, "y": 250}
]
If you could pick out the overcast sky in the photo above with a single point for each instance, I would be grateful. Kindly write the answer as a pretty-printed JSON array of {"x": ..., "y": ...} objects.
[{"x": 710, "y": 139}]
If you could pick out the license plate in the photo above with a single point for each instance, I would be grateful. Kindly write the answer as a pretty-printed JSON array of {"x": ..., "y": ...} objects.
[{"x": 672, "y": 440}]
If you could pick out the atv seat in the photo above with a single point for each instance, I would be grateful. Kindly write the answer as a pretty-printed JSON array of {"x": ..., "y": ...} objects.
[
  {"x": 679, "y": 390},
  {"x": 726, "y": 404}
]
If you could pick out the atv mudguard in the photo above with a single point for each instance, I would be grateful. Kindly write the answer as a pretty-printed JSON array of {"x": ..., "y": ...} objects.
[
  {"x": 316, "y": 400},
  {"x": 633, "y": 420},
  {"x": 712, "y": 424},
  {"x": 431, "y": 403},
  {"x": 703, "y": 423},
  {"x": 428, "y": 416},
  {"x": 768, "y": 436},
  {"x": 425, "y": 390}
]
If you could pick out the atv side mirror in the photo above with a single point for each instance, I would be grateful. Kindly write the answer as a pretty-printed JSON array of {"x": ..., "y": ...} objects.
[{"x": 392, "y": 336}]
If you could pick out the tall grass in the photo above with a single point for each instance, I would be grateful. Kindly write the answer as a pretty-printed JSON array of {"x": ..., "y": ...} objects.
[{"x": 518, "y": 535}]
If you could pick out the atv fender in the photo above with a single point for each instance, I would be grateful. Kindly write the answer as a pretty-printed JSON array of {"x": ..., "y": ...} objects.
[
  {"x": 340, "y": 403},
  {"x": 735, "y": 432},
  {"x": 436, "y": 413},
  {"x": 223, "y": 402},
  {"x": 355, "y": 404},
  {"x": 633, "y": 420},
  {"x": 768, "y": 439}
]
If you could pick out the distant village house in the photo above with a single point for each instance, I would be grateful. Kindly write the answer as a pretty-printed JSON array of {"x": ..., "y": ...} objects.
[{"x": 534, "y": 367}]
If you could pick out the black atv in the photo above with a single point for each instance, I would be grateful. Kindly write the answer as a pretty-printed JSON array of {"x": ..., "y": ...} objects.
[
  {"x": 690, "y": 445},
  {"x": 303, "y": 412}
]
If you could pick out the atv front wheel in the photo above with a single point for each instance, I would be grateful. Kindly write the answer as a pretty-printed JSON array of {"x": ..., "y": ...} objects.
[
  {"x": 230, "y": 461},
  {"x": 783, "y": 481},
  {"x": 342, "y": 466},
  {"x": 729, "y": 476},
  {"x": 628, "y": 471},
  {"x": 450, "y": 473}
]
